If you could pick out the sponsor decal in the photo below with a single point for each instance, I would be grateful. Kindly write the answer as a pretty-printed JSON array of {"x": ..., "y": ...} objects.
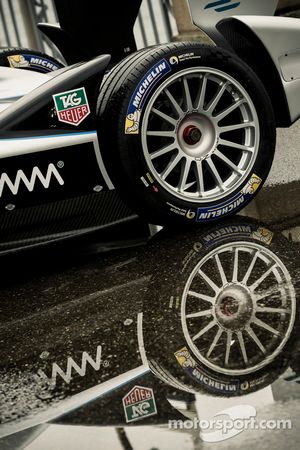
[
  {"x": 148, "y": 181},
  {"x": 231, "y": 231},
  {"x": 73, "y": 368},
  {"x": 250, "y": 384},
  {"x": 182, "y": 212},
  {"x": 197, "y": 247},
  {"x": 30, "y": 182},
  {"x": 32, "y": 62},
  {"x": 72, "y": 107},
  {"x": 222, "y": 5},
  {"x": 145, "y": 183},
  {"x": 139, "y": 403},
  {"x": 228, "y": 207},
  {"x": 175, "y": 60},
  {"x": 191, "y": 215},
  {"x": 263, "y": 235},
  {"x": 132, "y": 124},
  {"x": 190, "y": 366}
]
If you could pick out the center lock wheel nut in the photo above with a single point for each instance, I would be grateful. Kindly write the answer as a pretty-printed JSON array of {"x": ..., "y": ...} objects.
[{"x": 192, "y": 135}]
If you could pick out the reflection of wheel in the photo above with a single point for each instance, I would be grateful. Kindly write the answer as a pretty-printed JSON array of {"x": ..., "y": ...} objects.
[
  {"x": 195, "y": 134},
  {"x": 24, "y": 58},
  {"x": 228, "y": 318},
  {"x": 238, "y": 307}
]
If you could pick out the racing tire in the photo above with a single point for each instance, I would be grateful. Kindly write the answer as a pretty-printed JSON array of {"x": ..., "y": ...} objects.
[
  {"x": 187, "y": 133},
  {"x": 204, "y": 328},
  {"x": 28, "y": 59}
]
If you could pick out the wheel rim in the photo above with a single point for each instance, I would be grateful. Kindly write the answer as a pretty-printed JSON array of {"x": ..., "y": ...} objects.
[
  {"x": 200, "y": 135},
  {"x": 238, "y": 308}
]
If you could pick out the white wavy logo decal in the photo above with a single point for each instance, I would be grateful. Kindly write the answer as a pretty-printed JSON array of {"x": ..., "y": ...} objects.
[
  {"x": 30, "y": 183},
  {"x": 72, "y": 367}
]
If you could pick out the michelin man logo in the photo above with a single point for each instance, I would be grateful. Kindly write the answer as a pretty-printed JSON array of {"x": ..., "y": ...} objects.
[
  {"x": 133, "y": 122},
  {"x": 18, "y": 62},
  {"x": 184, "y": 358},
  {"x": 252, "y": 185}
]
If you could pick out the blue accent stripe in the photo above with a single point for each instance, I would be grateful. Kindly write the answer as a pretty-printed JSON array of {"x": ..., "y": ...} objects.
[
  {"x": 218, "y": 5},
  {"x": 46, "y": 136},
  {"x": 227, "y": 8}
]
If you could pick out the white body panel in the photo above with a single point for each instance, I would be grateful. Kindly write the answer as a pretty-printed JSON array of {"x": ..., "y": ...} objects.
[
  {"x": 15, "y": 83},
  {"x": 281, "y": 37},
  {"x": 207, "y": 13}
]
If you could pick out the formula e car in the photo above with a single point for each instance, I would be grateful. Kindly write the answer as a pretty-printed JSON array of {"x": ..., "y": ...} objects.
[{"x": 180, "y": 133}]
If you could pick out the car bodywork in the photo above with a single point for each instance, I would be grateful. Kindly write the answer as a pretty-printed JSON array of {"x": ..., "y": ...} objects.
[
  {"x": 268, "y": 44},
  {"x": 45, "y": 193}
]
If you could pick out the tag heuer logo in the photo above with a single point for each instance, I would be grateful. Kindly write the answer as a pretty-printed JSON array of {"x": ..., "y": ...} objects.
[
  {"x": 139, "y": 403},
  {"x": 72, "y": 106}
]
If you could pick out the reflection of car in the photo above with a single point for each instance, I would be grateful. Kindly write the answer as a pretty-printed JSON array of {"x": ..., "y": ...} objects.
[
  {"x": 178, "y": 133},
  {"x": 139, "y": 312}
]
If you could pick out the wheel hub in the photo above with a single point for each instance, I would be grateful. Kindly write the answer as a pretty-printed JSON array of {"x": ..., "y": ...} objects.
[
  {"x": 234, "y": 307},
  {"x": 197, "y": 136}
]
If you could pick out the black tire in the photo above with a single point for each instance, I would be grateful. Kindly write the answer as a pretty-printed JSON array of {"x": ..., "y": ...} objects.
[
  {"x": 28, "y": 59},
  {"x": 137, "y": 179},
  {"x": 170, "y": 353}
]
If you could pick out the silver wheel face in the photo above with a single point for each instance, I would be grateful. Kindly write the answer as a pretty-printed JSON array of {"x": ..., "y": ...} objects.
[
  {"x": 200, "y": 135},
  {"x": 238, "y": 308}
]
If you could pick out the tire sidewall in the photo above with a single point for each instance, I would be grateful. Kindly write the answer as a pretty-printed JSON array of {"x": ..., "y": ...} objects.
[{"x": 45, "y": 64}]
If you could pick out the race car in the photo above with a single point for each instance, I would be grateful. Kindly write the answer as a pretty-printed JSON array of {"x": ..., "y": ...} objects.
[{"x": 178, "y": 134}]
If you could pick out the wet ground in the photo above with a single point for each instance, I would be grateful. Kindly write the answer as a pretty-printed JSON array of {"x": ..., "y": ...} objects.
[{"x": 142, "y": 348}]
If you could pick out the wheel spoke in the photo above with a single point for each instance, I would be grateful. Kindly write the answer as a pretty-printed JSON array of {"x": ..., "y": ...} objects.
[
  {"x": 215, "y": 173},
  {"x": 238, "y": 126},
  {"x": 165, "y": 117},
  {"x": 204, "y": 330},
  {"x": 187, "y": 93},
  {"x": 262, "y": 278},
  {"x": 228, "y": 162},
  {"x": 250, "y": 268},
  {"x": 231, "y": 144},
  {"x": 208, "y": 281},
  {"x": 200, "y": 177},
  {"x": 205, "y": 313},
  {"x": 229, "y": 110},
  {"x": 256, "y": 340},
  {"x": 184, "y": 176},
  {"x": 265, "y": 326},
  {"x": 221, "y": 270},
  {"x": 235, "y": 266},
  {"x": 202, "y": 93},
  {"x": 163, "y": 151},
  {"x": 242, "y": 346},
  {"x": 228, "y": 348},
  {"x": 269, "y": 310},
  {"x": 168, "y": 134},
  {"x": 206, "y": 298},
  {"x": 214, "y": 102},
  {"x": 175, "y": 105},
  {"x": 215, "y": 341},
  {"x": 171, "y": 166}
]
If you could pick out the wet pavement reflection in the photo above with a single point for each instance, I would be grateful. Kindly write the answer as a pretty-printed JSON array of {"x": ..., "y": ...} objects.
[{"x": 141, "y": 348}]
